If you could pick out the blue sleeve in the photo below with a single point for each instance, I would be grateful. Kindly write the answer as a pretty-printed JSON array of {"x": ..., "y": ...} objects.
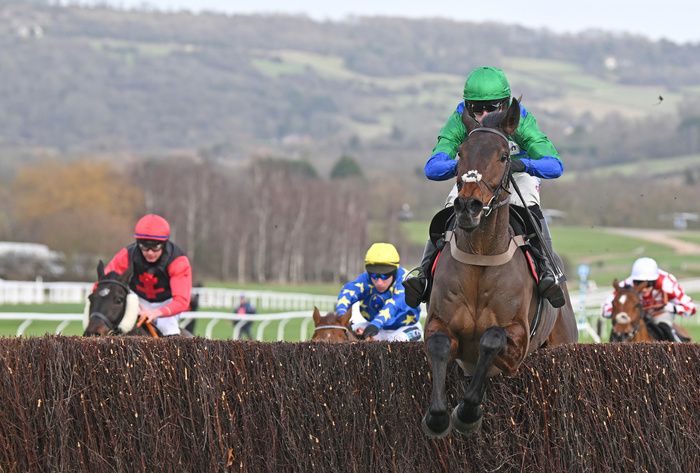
[
  {"x": 547, "y": 167},
  {"x": 440, "y": 167},
  {"x": 352, "y": 292},
  {"x": 396, "y": 310}
]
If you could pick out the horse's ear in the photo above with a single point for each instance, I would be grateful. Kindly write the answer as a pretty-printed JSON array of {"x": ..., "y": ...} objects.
[
  {"x": 511, "y": 120},
  {"x": 100, "y": 270},
  {"x": 616, "y": 284},
  {"x": 317, "y": 316},
  {"x": 469, "y": 122}
]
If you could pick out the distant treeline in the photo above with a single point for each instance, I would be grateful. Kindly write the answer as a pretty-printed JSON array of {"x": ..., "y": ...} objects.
[{"x": 267, "y": 221}]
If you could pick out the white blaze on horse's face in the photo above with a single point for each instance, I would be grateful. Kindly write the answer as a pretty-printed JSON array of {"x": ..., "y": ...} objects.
[
  {"x": 622, "y": 318},
  {"x": 471, "y": 176}
]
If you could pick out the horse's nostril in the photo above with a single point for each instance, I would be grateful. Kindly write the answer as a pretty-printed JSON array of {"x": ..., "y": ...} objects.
[
  {"x": 470, "y": 205},
  {"x": 474, "y": 206}
]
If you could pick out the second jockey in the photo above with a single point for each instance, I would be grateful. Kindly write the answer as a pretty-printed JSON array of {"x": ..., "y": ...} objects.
[
  {"x": 661, "y": 295},
  {"x": 162, "y": 275},
  {"x": 381, "y": 295}
]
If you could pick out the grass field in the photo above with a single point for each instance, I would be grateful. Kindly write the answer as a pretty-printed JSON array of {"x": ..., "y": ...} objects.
[
  {"x": 222, "y": 330},
  {"x": 608, "y": 255}
]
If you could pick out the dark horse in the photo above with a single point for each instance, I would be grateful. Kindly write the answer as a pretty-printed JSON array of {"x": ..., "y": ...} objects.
[
  {"x": 332, "y": 327},
  {"x": 631, "y": 321},
  {"x": 113, "y": 309},
  {"x": 483, "y": 309}
]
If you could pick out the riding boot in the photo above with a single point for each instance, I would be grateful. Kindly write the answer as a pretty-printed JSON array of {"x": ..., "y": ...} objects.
[
  {"x": 419, "y": 281},
  {"x": 669, "y": 333},
  {"x": 548, "y": 286}
]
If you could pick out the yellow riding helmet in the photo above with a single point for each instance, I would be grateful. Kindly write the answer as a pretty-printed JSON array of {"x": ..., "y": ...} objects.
[{"x": 382, "y": 258}]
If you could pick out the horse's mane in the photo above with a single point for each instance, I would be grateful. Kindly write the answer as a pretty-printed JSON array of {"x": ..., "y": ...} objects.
[
  {"x": 626, "y": 289},
  {"x": 112, "y": 275}
]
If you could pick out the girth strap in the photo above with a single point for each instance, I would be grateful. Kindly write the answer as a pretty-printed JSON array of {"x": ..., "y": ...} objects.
[{"x": 483, "y": 260}]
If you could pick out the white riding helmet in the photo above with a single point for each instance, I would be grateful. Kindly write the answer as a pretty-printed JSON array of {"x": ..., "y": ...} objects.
[{"x": 645, "y": 269}]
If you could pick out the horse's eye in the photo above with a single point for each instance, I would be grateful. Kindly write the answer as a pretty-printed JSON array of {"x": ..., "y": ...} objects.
[
  {"x": 504, "y": 157},
  {"x": 119, "y": 300}
]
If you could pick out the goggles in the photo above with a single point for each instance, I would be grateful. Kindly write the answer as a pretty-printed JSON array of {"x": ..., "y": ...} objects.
[
  {"x": 477, "y": 108},
  {"x": 383, "y": 277},
  {"x": 151, "y": 245}
]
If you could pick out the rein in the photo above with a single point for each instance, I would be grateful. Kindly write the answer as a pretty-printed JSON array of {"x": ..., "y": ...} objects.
[{"x": 112, "y": 329}]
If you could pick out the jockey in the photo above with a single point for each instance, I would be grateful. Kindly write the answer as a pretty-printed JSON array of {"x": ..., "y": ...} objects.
[
  {"x": 660, "y": 293},
  {"x": 381, "y": 295},
  {"x": 533, "y": 157},
  {"x": 162, "y": 275}
]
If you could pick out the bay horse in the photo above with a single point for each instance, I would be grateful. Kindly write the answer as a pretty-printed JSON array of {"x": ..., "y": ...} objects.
[
  {"x": 628, "y": 316},
  {"x": 113, "y": 308},
  {"x": 631, "y": 321},
  {"x": 484, "y": 311},
  {"x": 332, "y": 327}
]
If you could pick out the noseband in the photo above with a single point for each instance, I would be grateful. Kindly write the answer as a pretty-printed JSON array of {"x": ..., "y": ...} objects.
[
  {"x": 628, "y": 336},
  {"x": 475, "y": 176},
  {"x": 334, "y": 327}
]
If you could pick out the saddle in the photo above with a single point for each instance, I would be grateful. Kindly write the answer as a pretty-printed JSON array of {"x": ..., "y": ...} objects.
[{"x": 443, "y": 221}]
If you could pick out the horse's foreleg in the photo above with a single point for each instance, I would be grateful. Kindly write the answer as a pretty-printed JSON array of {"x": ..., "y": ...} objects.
[
  {"x": 436, "y": 421},
  {"x": 466, "y": 417}
]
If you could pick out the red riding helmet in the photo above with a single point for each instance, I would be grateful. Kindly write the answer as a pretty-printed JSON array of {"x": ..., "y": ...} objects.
[{"x": 152, "y": 227}]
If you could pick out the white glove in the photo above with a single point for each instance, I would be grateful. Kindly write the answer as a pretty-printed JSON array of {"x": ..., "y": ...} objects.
[{"x": 670, "y": 307}]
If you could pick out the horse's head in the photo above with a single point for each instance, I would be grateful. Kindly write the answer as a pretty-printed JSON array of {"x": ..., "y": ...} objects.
[
  {"x": 112, "y": 308},
  {"x": 627, "y": 313},
  {"x": 332, "y": 327},
  {"x": 484, "y": 165}
]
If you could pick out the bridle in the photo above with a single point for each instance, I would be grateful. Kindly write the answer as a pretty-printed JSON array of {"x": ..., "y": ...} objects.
[
  {"x": 99, "y": 315},
  {"x": 475, "y": 176},
  {"x": 346, "y": 330},
  {"x": 627, "y": 336}
]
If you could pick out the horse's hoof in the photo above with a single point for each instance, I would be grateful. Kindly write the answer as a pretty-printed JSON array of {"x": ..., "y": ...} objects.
[
  {"x": 465, "y": 428},
  {"x": 441, "y": 422}
]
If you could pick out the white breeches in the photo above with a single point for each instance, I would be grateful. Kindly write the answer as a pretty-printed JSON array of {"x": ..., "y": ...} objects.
[
  {"x": 409, "y": 333},
  {"x": 166, "y": 325}
]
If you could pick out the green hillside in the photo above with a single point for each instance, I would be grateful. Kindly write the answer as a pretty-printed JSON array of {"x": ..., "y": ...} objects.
[{"x": 224, "y": 87}]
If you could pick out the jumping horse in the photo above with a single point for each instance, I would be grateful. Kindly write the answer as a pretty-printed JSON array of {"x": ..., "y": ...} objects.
[
  {"x": 484, "y": 311},
  {"x": 631, "y": 321},
  {"x": 332, "y": 327},
  {"x": 113, "y": 308}
]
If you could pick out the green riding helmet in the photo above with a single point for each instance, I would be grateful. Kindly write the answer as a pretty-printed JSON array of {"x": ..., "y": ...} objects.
[{"x": 486, "y": 83}]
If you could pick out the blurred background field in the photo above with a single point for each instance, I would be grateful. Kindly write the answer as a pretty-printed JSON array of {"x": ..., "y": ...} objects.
[{"x": 608, "y": 254}]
